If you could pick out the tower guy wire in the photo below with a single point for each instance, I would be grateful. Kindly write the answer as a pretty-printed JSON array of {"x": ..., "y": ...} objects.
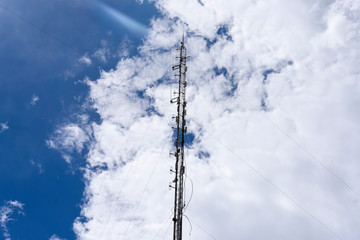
[
  {"x": 41, "y": 30},
  {"x": 180, "y": 100}
]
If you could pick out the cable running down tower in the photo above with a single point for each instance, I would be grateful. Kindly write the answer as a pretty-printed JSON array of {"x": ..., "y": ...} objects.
[{"x": 178, "y": 182}]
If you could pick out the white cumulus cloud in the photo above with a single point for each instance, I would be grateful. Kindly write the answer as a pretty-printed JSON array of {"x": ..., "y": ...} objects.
[{"x": 273, "y": 90}]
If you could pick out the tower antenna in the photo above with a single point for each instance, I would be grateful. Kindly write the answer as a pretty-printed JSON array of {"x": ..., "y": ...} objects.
[{"x": 180, "y": 100}]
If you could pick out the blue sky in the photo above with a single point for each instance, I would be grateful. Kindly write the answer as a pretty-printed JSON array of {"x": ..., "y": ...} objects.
[{"x": 35, "y": 65}]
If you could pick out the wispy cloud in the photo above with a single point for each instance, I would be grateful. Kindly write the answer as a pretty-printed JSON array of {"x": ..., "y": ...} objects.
[
  {"x": 3, "y": 127},
  {"x": 68, "y": 139},
  {"x": 101, "y": 54},
  {"x": 37, "y": 165},
  {"x": 85, "y": 59},
  {"x": 125, "y": 47},
  {"x": 34, "y": 100},
  {"x": 56, "y": 237},
  {"x": 6, "y": 211}
]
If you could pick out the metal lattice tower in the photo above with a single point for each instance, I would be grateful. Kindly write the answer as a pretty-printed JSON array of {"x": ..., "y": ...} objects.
[{"x": 181, "y": 129}]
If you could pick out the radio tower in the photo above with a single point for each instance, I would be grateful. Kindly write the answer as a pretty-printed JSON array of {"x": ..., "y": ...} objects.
[{"x": 181, "y": 129}]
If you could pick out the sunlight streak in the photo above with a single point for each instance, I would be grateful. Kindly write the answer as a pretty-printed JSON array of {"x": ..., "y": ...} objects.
[{"x": 123, "y": 19}]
